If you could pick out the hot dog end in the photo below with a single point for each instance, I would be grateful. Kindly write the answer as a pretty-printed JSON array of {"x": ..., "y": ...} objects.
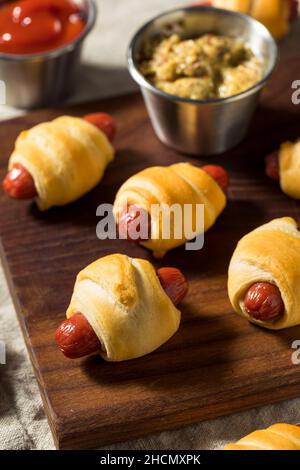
[{"x": 263, "y": 302}]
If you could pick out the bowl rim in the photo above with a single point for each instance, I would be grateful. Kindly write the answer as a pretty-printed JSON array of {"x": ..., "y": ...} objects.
[
  {"x": 143, "y": 82},
  {"x": 53, "y": 53}
]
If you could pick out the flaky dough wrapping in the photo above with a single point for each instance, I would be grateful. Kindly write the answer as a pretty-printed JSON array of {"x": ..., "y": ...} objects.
[
  {"x": 276, "y": 437},
  {"x": 270, "y": 253},
  {"x": 125, "y": 304},
  {"x": 289, "y": 169},
  {"x": 181, "y": 183},
  {"x": 66, "y": 158}
]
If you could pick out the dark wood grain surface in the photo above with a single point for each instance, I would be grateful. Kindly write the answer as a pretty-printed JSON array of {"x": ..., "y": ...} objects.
[{"x": 217, "y": 363}]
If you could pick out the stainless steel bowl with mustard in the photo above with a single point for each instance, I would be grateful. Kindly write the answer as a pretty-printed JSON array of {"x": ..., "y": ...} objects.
[
  {"x": 201, "y": 71},
  {"x": 43, "y": 78}
]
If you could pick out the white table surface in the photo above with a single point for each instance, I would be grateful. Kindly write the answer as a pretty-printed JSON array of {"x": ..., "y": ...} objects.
[{"x": 23, "y": 424}]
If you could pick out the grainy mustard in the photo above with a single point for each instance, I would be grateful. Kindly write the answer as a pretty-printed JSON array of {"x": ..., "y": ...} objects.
[{"x": 209, "y": 66}]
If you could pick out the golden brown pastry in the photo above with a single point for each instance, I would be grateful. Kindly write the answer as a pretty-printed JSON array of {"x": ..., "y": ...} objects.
[
  {"x": 276, "y": 437},
  {"x": 289, "y": 169},
  {"x": 264, "y": 275},
  {"x": 274, "y": 14},
  {"x": 65, "y": 159},
  {"x": 181, "y": 183},
  {"x": 283, "y": 166},
  {"x": 125, "y": 304}
]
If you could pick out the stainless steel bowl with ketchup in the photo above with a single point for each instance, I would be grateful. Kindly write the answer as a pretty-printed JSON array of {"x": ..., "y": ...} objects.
[{"x": 40, "y": 48}]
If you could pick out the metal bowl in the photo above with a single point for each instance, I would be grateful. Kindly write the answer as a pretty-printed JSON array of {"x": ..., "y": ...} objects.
[
  {"x": 202, "y": 126},
  {"x": 43, "y": 79}
]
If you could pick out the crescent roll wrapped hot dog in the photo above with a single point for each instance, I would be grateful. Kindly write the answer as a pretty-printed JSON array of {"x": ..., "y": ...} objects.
[
  {"x": 59, "y": 161},
  {"x": 126, "y": 305},
  {"x": 276, "y": 15},
  {"x": 181, "y": 184},
  {"x": 276, "y": 437},
  {"x": 264, "y": 275},
  {"x": 284, "y": 166}
]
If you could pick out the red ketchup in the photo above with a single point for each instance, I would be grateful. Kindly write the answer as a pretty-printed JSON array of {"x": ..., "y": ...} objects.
[{"x": 33, "y": 26}]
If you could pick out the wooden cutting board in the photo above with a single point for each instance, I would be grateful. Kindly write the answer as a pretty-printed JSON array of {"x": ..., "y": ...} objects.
[{"x": 217, "y": 363}]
